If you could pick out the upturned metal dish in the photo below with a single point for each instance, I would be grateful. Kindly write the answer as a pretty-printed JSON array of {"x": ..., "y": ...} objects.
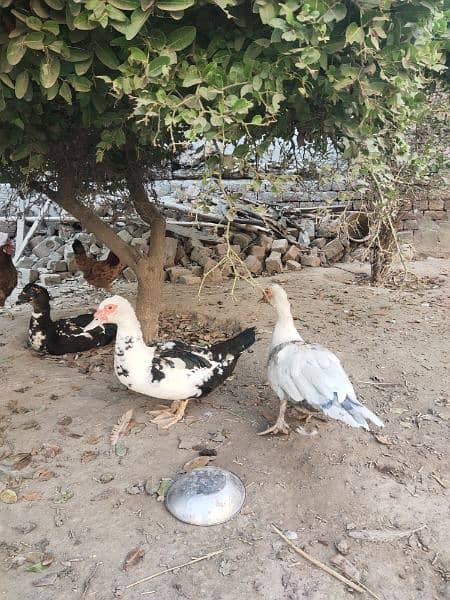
[{"x": 206, "y": 496}]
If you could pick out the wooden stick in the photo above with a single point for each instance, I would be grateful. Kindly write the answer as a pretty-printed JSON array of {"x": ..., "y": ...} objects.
[
  {"x": 186, "y": 564},
  {"x": 357, "y": 587},
  {"x": 89, "y": 579}
]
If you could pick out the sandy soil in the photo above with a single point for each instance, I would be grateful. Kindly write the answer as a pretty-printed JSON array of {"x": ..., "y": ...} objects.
[{"x": 319, "y": 489}]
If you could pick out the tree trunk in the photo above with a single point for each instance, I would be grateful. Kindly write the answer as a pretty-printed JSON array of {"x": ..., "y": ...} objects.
[
  {"x": 150, "y": 276},
  {"x": 382, "y": 254},
  {"x": 149, "y": 270}
]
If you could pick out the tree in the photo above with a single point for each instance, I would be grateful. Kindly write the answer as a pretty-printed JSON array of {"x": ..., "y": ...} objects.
[{"x": 94, "y": 93}]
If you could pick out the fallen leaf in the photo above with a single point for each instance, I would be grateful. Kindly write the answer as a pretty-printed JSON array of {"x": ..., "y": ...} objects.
[
  {"x": 120, "y": 449},
  {"x": 47, "y": 559},
  {"x": 26, "y": 527},
  {"x": 137, "y": 428},
  {"x": 195, "y": 463},
  {"x": 121, "y": 426},
  {"x": 46, "y": 581},
  {"x": 36, "y": 568},
  {"x": 64, "y": 421},
  {"x": 64, "y": 496},
  {"x": 43, "y": 474},
  {"x": 106, "y": 477},
  {"x": 49, "y": 450},
  {"x": 34, "y": 556},
  {"x": 88, "y": 456},
  {"x": 8, "y": 496},
  {"x": 103, "y": 495},
  {"x": 31, "y": 425},
  {"x": 133, "y": 558},
  {"x": 380, "y": 535},
  {"x": 162, "y": 489},
  {"x": 32, "y": 496},
  {"x": 93, "y": 440},
  {"x": 207, "y": 451},
  {"x": 17, "y": 461},
  {"x": 382, "y": 439}
]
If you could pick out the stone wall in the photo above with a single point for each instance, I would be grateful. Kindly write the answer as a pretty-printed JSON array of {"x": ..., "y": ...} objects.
[{"x": 436, "y": 208}]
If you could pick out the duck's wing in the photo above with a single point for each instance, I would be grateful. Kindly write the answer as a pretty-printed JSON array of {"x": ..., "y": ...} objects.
[
  {"x": 81, "y": 320},
  {"x": 311, "y": 374},
  {"x": 182, "y": 356}
]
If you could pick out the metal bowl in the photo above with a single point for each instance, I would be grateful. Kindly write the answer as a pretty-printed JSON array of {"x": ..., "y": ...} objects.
[{"x": 206, "y": 496}]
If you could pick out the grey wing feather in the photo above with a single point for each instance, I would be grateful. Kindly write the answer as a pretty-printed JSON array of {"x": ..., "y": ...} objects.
[{"x": 312, "y": 375}]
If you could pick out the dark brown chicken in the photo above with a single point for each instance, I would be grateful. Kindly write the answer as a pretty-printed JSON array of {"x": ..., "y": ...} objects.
[
  {"x": 100, "y": 273},
  {"x": 8, "y": 272}
]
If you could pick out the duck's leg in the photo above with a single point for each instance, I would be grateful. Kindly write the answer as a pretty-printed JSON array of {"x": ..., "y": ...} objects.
[
  {"x": 306, "y": 415},
  {"x": 167, "y": 416},
  {"x": 280, "y": 425}
]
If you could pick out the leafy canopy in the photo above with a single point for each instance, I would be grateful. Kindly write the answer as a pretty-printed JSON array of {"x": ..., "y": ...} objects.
[{"x": 233, "y": 70}]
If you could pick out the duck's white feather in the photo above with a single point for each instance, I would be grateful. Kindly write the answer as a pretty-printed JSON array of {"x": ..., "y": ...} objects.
[{"x": 309, "y": 374}]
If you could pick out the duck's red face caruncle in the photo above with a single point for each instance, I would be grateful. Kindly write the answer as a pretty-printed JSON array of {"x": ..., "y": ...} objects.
[{"x": 106, "y": 313}]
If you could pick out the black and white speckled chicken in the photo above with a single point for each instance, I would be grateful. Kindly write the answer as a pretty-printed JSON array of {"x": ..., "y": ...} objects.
[{"x": 64, "y": 335}]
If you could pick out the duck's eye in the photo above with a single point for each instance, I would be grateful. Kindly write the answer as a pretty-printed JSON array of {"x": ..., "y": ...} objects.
[{"x": 110, "y": 307}]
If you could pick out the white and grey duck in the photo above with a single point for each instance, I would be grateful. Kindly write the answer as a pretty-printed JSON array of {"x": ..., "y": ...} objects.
[
  {"x": 308, "y": 376},
  {"x": 170, "y": 370},
  {"x": 64, "y": 335}
]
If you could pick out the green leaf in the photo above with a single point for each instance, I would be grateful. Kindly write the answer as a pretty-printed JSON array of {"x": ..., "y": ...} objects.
[
  {"x": 20, "y": 152},
  {"x": 336, "y": 13},
  {"x": 125, "y": 4},
  {"x": 353, "y": 34},
  {"x": 34, "y": 40},
  {"x": 52, "y": 92},
  {"x": 138, "y": 19},
  {"x": 49, "y": 71},
  {"x": 56, "y": 4},
  {"x": 257, "y": 120},
  {"x": 51, "y": 27},
  {"x": 38, "y": 8},
  {"x": 82, "y": 22},
  {"x": 83, "y": 67},
  {"x": 310, "y": 56},
  {"x": 181, "y": 38},
  {"x": 6, "y": 79},
  {"x": 80, "y": 84},
  {"x": 156, "y": 66},
  {"x": 106, "y": 56},
  {"x": 34, "y": 23},
  {"x": 65, "y": 92},
  {"x": 115, "y": 14},
  {"x": 138, "y": 55},
  {"x": 174, "y": 5},
  {"x": 21, "y": 86},
  {"x": 16, "y": 50},
  {"x": 37, "y": 568}
]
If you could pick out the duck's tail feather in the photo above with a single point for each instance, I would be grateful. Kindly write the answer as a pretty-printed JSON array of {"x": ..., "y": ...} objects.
[
  {"x": 353, "y": 413},
  {"x": 234, "y": 346}
]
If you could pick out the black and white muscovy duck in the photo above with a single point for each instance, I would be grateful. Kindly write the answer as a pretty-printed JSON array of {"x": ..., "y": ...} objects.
[
  {"x": 308, "y": 375},
  {"x": 64, "y": 335},
  {"x": 170, "y": 370}
]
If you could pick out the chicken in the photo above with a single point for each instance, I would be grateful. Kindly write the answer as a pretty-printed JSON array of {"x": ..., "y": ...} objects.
[
  {"x": 99, "y": 273},
  {"x": 170, "y": 370},
  {"x": 8, "y": 272},
  {"x": 308, "y": 375}
]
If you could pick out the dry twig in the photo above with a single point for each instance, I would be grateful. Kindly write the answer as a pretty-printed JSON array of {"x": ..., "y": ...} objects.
[
  {"x": 358, "y": 587},
  {"x": 186, "y": 564},
  {"x": 88, "y": 581}
]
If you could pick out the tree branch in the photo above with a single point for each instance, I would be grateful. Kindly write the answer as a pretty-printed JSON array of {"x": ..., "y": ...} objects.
[{"x": 65, "y": 198}]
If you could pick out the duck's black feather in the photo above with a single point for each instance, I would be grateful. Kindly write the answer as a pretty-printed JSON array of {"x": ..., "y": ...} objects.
[{"x": 64, "y": 335}]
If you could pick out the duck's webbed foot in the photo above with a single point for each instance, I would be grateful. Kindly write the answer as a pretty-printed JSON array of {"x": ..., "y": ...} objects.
[
  {"x": 280, "y": 425},
  {"x": 166, "y": 416}
]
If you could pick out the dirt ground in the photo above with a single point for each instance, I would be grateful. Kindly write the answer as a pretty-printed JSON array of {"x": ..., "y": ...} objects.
[{"x": 321, "y": 490}]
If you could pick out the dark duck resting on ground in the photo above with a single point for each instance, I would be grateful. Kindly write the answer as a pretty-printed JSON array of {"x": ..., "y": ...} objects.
[
  {"x": 170, "y": 370},
  {"x": 64, "y": 335}
]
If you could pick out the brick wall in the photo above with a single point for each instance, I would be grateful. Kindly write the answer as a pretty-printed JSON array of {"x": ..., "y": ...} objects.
[{"x": 436, "y": 209}]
